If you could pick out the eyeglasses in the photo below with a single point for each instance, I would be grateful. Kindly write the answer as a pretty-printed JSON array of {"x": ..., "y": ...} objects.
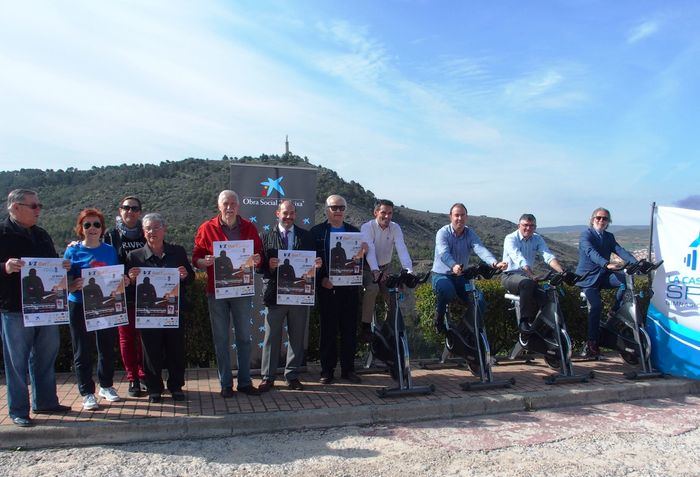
[
  {"x": 601, "y": 217},
  {"x": 337, "y": 208},
  {"x": 132, "y": 208},
  {"x": 528, "y": 226},
  {"x": 152, "y": 229},
  {"x": 34, "y": 206},
  {"x": 87, "y": 225}
]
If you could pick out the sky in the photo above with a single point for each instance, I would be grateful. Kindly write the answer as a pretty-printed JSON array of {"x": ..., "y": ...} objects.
[{"x": 549, "y": 107}]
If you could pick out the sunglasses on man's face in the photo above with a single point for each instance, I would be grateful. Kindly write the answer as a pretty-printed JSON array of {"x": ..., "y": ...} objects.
[
  {"x": 132, "y": 208},
  {"x": 337, "y": 208},
  {"x": 87, "y": 225},
  {"x": 601, "y": 217}
]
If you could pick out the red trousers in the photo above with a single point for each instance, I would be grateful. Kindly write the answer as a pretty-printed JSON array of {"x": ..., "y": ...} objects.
[{"x": 130, "y": 347}]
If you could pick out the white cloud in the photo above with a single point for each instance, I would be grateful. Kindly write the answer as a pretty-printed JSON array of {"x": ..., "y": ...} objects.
[{"x": 641, "y": 31}]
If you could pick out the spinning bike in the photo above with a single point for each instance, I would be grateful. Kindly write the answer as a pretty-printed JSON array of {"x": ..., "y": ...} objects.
[
  {"x": 549, "y": 336},
  {"x": 467, "y": 337},
  {"x": 624, "y": 331},
  {"x": 389, "y": 342}
]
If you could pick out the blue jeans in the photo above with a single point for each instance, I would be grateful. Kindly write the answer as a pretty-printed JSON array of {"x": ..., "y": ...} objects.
[
  {"x": 33, "y": 350},
  {"x": 449, "y": 287},
  {"x": 221, "y": 314},
  {"x": 606, "y": 281}
]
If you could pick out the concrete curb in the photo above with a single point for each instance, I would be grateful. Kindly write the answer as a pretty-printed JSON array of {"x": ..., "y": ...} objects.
[{"x": 200, "y": 427}]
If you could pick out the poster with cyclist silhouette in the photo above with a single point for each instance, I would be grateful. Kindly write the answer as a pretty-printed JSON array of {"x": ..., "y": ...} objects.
[
  {"x": 233, "y": 269},
  {"x": 296, "y": 277},
  {"x": 158, "y": 298},
  {"x": 345, "y": 259},
  {"x": 44, "y": 292},
  {"x": 104, "y": 300}
]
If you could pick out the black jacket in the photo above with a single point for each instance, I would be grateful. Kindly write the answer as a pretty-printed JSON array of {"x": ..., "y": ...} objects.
[
  {"x": 16, "y": 242},
  {"x": 272, "y": 242},
  {"x": 173, "y": 257}
]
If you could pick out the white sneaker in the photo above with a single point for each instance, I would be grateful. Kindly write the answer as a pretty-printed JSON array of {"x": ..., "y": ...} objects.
[
  {"x": 90, "y": 403},
  {"x": 110, "y": 394}
]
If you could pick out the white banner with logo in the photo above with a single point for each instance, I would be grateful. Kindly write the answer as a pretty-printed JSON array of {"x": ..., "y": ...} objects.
[{"x": 673, "y": 319}]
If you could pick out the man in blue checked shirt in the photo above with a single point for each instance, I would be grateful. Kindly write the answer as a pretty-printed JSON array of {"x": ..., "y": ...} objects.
[
  {"x": 454, "y": 244},
  {"x": 520, "y": 249}
]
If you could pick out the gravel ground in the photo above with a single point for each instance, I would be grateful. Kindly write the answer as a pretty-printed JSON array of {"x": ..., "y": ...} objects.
[{"x": 656, "y": 437}]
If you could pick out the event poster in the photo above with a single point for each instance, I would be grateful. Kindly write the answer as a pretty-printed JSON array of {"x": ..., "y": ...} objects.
[
  {"x": 345, "y": 258},
  {"x": 158, "y": 298},
  {"x": 104, "y": 300},
  {"x": 44, "y": 292},
  {"x": 233, "y": 269},
  {"x": 296, "y": 276},
  {"x": 673, "y": 317}
]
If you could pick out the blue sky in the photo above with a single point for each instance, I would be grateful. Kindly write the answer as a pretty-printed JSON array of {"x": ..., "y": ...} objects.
[{"x": 548, "y": 107}]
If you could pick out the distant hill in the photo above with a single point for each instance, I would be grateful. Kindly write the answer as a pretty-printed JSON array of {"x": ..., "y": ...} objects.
[
  {"x": 185, "y": 193},
  {"x": 631, "y": 237}
]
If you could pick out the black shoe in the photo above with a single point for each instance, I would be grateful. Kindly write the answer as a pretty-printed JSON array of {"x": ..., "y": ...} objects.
[
  {"x": 22, "y": 421},
  {"x": 295, "y": 385},
  {"x": 266, "y": 385},
  {"x": 226, "y": 392},
  {"x": 250, "y": 390},
  {"x": 326, "y": 378},
  {"x": 135, "y": 389},
  {"x": 154, "y": 398},
  {"x": 58, "y": 408},
  {"x": 178, "y": 395},
  {"x": 352, "y": 377}
]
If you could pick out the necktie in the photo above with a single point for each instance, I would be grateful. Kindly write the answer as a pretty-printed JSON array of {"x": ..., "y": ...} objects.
[{"x": 285, "y": 242}]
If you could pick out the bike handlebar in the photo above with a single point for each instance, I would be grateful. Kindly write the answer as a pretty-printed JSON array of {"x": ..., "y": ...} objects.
[
  {"x": 556, "y": 278},
  {"x": 642, "y": 267},
  {"x": 482, "y": 270},
  {"x": 404, "y": 278}
]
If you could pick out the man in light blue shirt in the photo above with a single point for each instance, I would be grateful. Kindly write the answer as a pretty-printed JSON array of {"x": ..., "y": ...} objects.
[
  {"x": 520, "y": 249},
  {"x": 454, "y": 244}
]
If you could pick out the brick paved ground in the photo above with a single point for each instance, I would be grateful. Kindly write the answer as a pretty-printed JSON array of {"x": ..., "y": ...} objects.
[{"x": 202, "y": 390}]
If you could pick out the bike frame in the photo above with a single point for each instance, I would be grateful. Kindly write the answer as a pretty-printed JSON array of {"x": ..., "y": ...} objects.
[{"x": 483, "y": 350}]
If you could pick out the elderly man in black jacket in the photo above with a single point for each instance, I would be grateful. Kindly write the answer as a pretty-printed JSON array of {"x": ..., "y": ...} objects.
[
  {"x": 162, "y": 347},
  {"x": 338, "y": 306},
  {"x": 21, "y": 237}
]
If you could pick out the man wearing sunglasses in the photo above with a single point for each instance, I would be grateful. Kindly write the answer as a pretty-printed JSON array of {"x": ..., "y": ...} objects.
[
  {"x": 126, "y": 236},
  {"x": 520, "y": 249},
  {"x": 21, "y": 237},
  {"x": 594, "y": 248},
  {"x": 338, "y": 306}
]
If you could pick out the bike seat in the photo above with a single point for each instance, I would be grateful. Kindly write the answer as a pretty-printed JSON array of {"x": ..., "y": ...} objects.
[{"x": 511, "y": 297}]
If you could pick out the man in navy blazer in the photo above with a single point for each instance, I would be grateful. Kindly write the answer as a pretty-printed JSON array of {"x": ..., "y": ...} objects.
[{"x": 594, "y": 248}]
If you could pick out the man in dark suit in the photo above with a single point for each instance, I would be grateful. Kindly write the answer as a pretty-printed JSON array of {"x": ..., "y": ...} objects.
[
  {"x": 594, "y": 248},
  {"x": 285, "y": 236},
  {"x": 337, "y": 305}
]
